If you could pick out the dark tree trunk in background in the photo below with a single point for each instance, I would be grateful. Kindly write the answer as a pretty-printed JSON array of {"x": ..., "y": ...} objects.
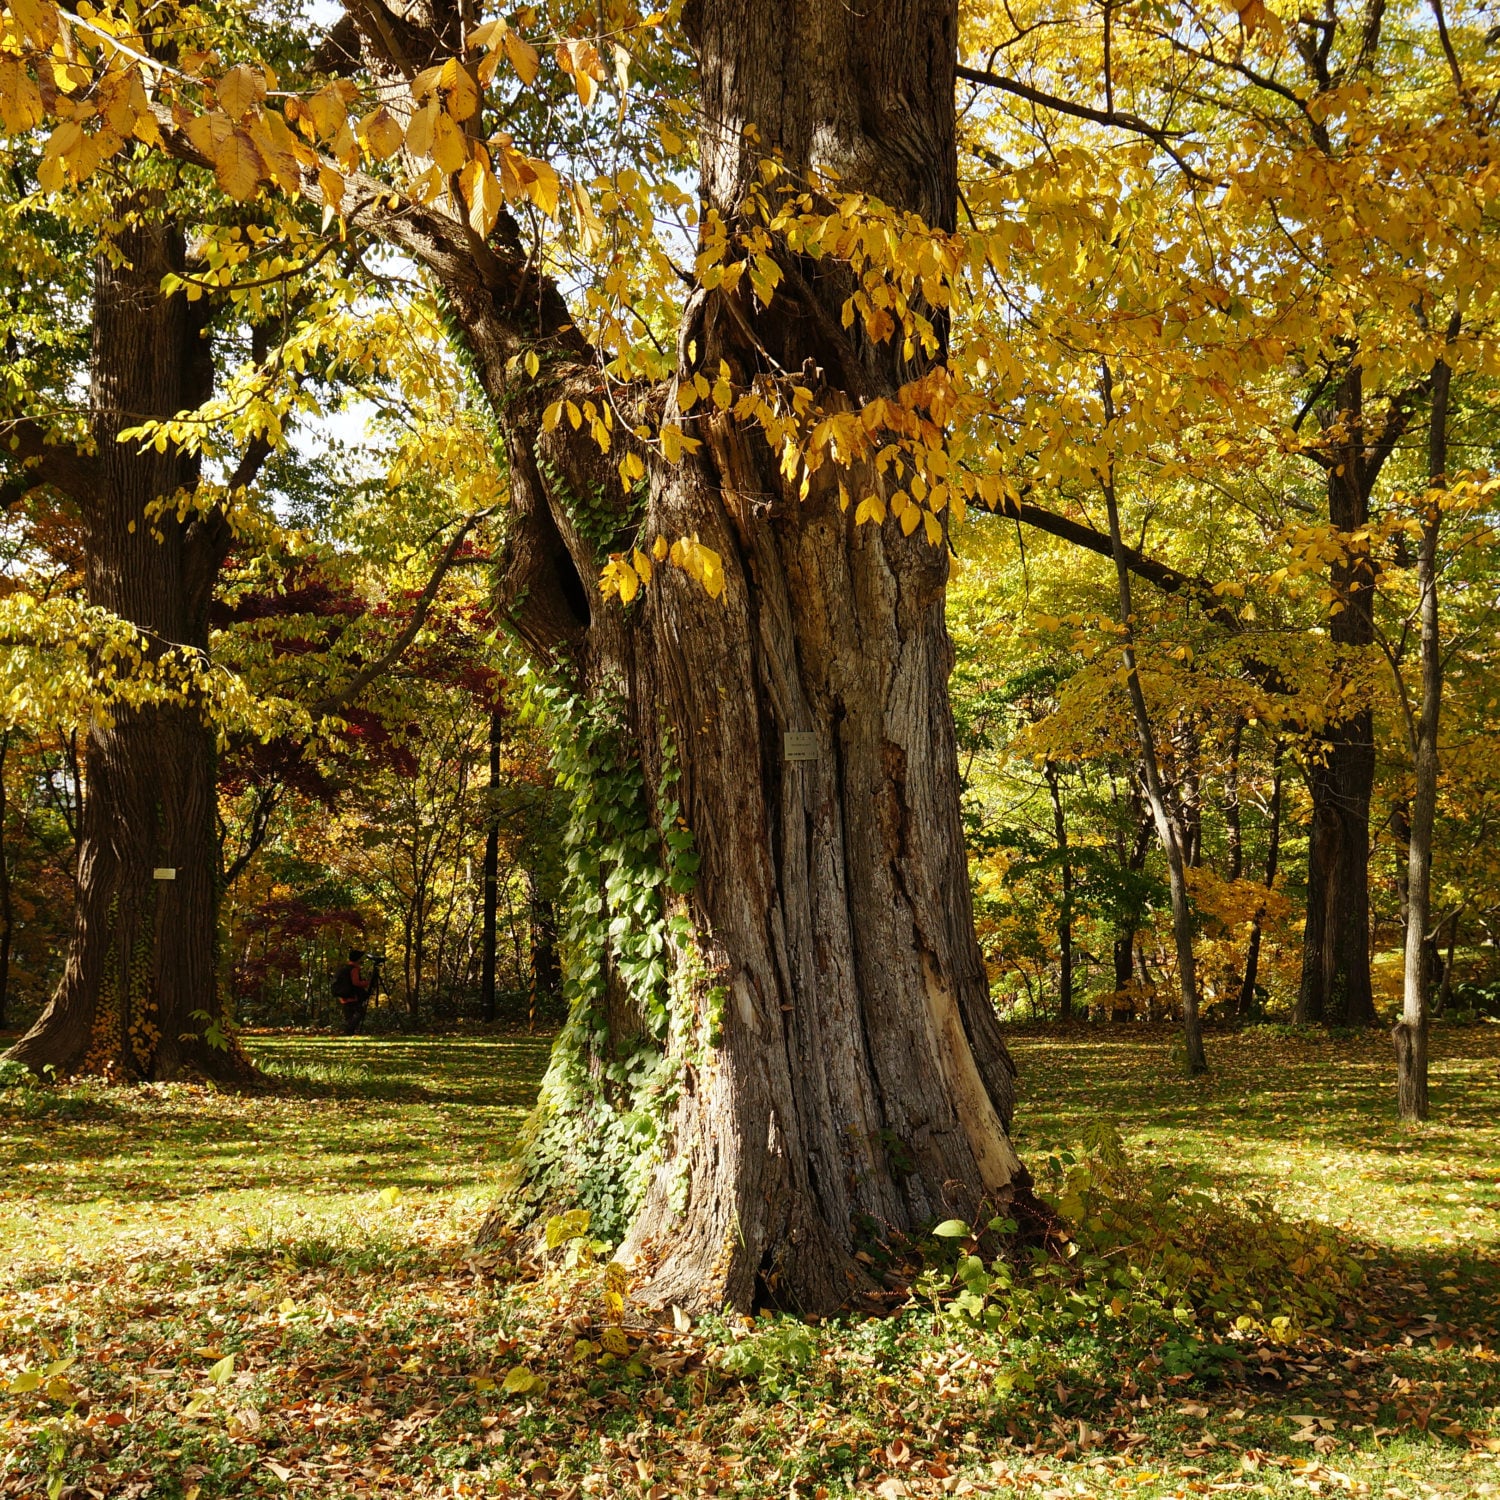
[
  {"x": 1065, "y": 906},
  {"x": 491, "y": 894},
  {"x": 546, "y": 965},
  {"x": 1246, "y": 1005},
  {"x": 142, "y": 957},
  {"x": 1423, "y": 719},
  {"x": 1335, "y": 985},
  {"x": 1124, "y": 943}
]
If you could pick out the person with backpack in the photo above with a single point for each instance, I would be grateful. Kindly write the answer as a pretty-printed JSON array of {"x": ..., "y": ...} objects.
[{"x": 352, "y": 990}]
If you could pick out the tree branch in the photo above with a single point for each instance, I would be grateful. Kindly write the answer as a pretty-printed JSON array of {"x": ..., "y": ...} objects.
[
  {"x": 1117, "y": 119},
  {"x": 368, "y": 673},
  {"x": 1163, "y": 576},
  {"x": 60, "y": 466}
]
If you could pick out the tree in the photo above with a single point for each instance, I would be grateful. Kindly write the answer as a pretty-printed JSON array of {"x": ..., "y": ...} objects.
[
  {"x": 854, "y": 1072},
  {"x": 839, "y": 1063},
  {"x": 139, "y": 993}
]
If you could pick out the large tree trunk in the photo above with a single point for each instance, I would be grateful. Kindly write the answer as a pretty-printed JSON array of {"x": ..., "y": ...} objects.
[
  {"x": 841, "y": 1073},
  {"x": 139, "y": 992},
  {"x": 861, "y": 1086}
]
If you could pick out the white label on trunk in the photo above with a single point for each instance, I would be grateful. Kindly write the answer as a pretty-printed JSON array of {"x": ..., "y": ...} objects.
[
  {"x": 163, "y": 872},
  {"x": 800, "y": 745}
]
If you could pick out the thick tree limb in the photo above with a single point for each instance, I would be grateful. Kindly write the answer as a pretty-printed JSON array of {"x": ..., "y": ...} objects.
[
  {"x": 1168, "y": 579},
  {"x": 60, "y": 466},
  {"x": 1119, "y": 119}
]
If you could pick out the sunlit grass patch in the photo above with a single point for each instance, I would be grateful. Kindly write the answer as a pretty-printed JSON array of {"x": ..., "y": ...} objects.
[{"x": 318, "y": 1235}]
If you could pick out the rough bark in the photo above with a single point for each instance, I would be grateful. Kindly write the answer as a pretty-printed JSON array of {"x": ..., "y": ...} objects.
[
  {"x": 139, "y": 990},
  {"x": 861, "y": 1079}
]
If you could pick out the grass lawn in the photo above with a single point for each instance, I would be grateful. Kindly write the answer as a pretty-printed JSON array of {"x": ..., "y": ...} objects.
[{"x": 207, "y": 1294}]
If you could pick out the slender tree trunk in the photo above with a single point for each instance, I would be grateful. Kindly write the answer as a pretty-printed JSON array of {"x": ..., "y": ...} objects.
[
  {"x": 1065, "y": 906},
  {"x": 1445, "y": 989},
  {"x": 1124, "y": 943},
  {"x": 1233, "y": 832},
  {"x": 1410, "y": 1032},
  {"x": 7, "y": 903},
  {"x": 545, "y": 966},
  {"x": 1246, "y": 1004},
  {"x": 1166, "y": 827},
  {"x": 491, "y": 876},
  {"x": 139, "y": 992}
]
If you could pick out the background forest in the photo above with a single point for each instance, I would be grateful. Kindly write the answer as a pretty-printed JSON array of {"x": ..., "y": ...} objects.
[{"x": 861, "y": 570}]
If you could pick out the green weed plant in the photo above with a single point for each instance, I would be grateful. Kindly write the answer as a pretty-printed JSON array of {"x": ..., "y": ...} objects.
[{"x": 1144, "y": 1254}]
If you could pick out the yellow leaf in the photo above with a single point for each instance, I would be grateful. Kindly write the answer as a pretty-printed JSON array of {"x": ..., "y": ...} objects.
[
  {"x": 871, "y": 508},
  {"x": 615, "y": 1342},
  {"x": 630, "y": 584},
  {"x": 482, "y": 193},
  {"x": 552, "y": 416},
  {"x": 460, "y": 96},
  {"x": 381, "y": 132},
  {"x": 327, "y": 111},
  {"x": 642, "y": 564},
  {"x": 659, "y": 549},
  {"x": 910, "y": 515},
  {"x": 332, "y": 186},
  {"x": 38, "y": 19},
  {"x": 590, "y": 226},
  {"x": 532, "y": 363},
  {"x": 450, "y": 146},
  {"x": 277, "y": 147},
  {"x": 208, "y": 132},
  {"x": 419, "y": 131},
  {"x": 524, "y": 58},
  {"x": 65, "y": 139},
  {"x": 238, "y": 166},
  {"x": 544, "y": 188},
  {"x": 933, "y": 527},
  {"x": 240, "y": 90},
  {"x": 389, "y": 1195},
  {"x": 20, "y": 100},
  {"x": 220, "y": 1372},
  {"x": 518, "y": 1381}
]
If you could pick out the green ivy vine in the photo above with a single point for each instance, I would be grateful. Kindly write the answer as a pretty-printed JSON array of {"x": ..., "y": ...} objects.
[{"x": 597, "y": 1130}]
